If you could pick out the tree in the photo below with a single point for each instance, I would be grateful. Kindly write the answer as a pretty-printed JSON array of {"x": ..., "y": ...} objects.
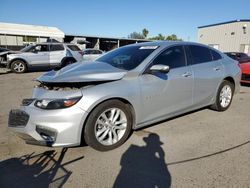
[
  {"x": 136, "y": 35},
  {"x": 145, "y": 32},
  {"x": 158, "y": 37},
  {"x": 173, "y": 37}
]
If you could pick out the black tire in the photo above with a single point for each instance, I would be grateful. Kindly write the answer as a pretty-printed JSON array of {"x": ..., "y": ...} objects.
[
  {"x": 90, "y": 126},
  {"x": 68, "y": 61},
  {"x": 217, "y": 105},
  {"x": 18, "y": 66}
]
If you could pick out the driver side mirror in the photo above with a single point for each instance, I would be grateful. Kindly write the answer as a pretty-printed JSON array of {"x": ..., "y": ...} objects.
[
  {"x": 159, "y": 68},
  {"x": 35, "y": 51}
]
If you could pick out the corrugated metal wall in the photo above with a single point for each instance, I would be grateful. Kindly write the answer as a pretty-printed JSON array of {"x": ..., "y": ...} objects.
[{"x": 228, "y": 37}]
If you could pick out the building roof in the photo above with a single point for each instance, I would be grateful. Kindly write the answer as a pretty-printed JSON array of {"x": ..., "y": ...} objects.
[
  {"x": 30, "y": 30},
  {"x": 103, "y": 37},
  {"x": 222, "y": 23}
]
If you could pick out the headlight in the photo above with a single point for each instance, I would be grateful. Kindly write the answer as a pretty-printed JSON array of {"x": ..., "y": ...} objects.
[{"x": 56, "y": 103}]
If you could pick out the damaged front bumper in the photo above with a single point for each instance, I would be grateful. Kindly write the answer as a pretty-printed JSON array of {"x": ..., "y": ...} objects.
[{"x": 62, "y": 127}]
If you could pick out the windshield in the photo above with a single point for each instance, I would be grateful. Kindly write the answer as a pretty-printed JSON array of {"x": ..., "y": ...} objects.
[
  {"x": 127, "y": 58},
  {"x": 27, "y": 48}
]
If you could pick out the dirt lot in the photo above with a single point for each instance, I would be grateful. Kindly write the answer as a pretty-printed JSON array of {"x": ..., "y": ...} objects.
[{"x": 201, "y": 149}]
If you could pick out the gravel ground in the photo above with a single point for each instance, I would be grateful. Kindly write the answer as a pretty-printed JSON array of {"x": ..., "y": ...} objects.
[{"x": 201, "y": 149}]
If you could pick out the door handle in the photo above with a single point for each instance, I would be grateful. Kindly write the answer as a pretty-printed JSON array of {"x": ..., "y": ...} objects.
[
  {"x": 187, "y": 74},
  {"x": 217, "y": 68}
]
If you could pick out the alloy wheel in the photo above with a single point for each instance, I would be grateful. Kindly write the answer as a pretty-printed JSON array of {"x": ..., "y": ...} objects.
[
  {"x": 110, "y": 126},
  {"x": 225, "y": 96}
]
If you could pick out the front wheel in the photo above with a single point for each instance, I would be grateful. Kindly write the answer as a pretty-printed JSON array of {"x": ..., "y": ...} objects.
[
  {"x": 18, "y": 66},
  {"x": 224, "y": 96},
  {"x": 108, "y": 126}
]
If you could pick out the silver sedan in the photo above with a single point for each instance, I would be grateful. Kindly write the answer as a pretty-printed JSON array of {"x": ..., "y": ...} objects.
[{"x": 101, "y": 102}]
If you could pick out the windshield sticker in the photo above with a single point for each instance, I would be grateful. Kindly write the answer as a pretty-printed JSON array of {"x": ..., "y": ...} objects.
[{"x": 148, "y": 47}]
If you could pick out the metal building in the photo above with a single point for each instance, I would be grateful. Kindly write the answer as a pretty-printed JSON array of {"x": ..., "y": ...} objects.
[
  {"x": 102, "y": 43},
  {"x": 16, "y": 36},
  {"x": 232, "y": 36}
]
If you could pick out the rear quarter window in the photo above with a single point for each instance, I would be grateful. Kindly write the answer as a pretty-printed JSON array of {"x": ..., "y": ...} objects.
[
  {"x": 73, "y": 47},
  {"x": 56, "y": 47},
  {"x": 200, "y": 54},
  {"x": 215, "y": 55}
]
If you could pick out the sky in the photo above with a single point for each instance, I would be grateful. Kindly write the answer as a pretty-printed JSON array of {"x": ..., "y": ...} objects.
[{"x": 119, "y": 18}]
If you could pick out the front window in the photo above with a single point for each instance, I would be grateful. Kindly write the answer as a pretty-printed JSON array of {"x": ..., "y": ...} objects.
[
  {"x": 127, "y": 58},
  {"x": 27, "y": 48},
  {"x": 173, "y": 57}
]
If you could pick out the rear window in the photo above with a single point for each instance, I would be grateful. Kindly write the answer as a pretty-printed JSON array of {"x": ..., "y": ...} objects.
[
  {"x": 241, "y": 57},
  {"x": 244, "y": 56},
  {"x": 232, "y": 55},
  {"x": 200, "y": 54},
  {"x": 73, "y": 47},
  {"x": 56, "y": 47}
]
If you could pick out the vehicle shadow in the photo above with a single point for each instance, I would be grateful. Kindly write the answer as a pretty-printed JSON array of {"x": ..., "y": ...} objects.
[
  {"x": 144, "y": 166},
  {"x": 40, "y": 170}
]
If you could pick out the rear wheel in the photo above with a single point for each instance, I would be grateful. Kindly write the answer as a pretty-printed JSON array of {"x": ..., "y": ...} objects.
[
  {"x": 18, "y": 66},
  {"x": 108, "y": 126},
  {"x": 224, "y": 96}
]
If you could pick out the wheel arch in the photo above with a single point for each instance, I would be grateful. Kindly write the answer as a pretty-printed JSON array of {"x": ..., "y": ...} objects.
[
  {"x": 123, "y": 100},
  {"x": 232, "y": 81},
  {"x": 18, "y": 58},
  {"x": 66, "y": 58}
]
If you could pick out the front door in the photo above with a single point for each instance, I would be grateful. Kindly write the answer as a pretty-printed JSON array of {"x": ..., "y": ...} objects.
[
  {"x": 39, "y": 55},
  {"x": 166, "y": 94}
]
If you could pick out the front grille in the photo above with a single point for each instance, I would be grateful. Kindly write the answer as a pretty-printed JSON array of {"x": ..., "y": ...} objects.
[
  {"x": 18, "y": 118},
  {"x": 245, "y": 77}
]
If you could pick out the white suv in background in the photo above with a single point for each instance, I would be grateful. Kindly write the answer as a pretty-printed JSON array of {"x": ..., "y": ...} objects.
[
  {"x": 90, "y": 54},
  {"x": 44, "y": 55}
]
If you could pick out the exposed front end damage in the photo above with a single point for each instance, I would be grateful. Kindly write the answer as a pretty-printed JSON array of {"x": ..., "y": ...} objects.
[
  {"x": 49, "y": 127},
  {"x": 54, "y": 115}
]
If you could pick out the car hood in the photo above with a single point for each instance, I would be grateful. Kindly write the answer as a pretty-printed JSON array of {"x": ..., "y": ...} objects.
[
  {"x": 83, "y": 72},
  {"x": 9, "y": 52}
]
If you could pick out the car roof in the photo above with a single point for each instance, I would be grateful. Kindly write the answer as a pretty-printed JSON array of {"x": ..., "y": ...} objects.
[
  {"x": 91, "y": 49},
  {"x": 54, "y": 43},
  {"x": 167, "y": 43}
]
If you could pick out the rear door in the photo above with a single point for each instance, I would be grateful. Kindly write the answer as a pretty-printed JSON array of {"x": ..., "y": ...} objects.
[
  {"x": 57, "y": 53},
  {"x": 169, "y": 93},
  {"x": 208, "y": 72}
]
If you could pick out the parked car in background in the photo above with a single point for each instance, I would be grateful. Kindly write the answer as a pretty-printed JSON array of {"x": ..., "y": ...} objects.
[
  {"x": 44, "y": 55},
  {"x": 128, "y": 88},
  {"x": 4, "y": 50},
  {"x": 3, "y": 56},
  {"x": 244, "y": 62},
  {"x": 91, "y": 54}
]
